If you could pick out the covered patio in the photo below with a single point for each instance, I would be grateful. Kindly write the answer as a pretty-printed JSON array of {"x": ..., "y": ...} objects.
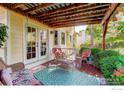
[
  {"x": 67, "y": 14},
  {"x": 42, "y": 22}
]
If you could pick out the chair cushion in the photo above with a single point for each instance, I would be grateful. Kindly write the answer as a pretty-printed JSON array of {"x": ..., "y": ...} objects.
[
  {"x": 24, "y": 77},
  {"x": 2, "y": 65},
  {"x": 58, "y": 52},
  {"x": 6, "y": 76},
  {"x": 86, "y": 53}
]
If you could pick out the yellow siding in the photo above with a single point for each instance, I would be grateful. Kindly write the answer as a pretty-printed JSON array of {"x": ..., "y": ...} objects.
[
  {"x": 70, "y": 31},
  {"x": 17, "y": 27}
]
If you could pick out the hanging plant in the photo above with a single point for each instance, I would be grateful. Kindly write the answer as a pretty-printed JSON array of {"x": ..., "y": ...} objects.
[{"x": 3, "y": 34}]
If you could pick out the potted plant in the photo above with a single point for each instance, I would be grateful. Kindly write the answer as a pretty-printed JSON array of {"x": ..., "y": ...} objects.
[{"x": 3, "y": 34}]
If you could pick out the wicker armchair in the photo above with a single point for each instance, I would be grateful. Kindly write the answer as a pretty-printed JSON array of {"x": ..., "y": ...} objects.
[
  {"x": 15, "y": 67},
  {"x": 64, "y": 55}
]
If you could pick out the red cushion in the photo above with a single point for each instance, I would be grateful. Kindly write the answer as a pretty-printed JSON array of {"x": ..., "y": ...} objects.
[
  {"x": 86, "y": 54},
  {"x": 57, "y": 52}
]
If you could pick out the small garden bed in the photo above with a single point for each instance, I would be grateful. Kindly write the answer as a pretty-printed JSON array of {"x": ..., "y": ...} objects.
[{"x": 111, "y": 64}]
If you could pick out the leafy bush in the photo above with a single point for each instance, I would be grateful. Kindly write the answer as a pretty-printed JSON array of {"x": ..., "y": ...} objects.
[
  {"x": 108, "y": 53},
  {"x": 108, "y": 67},
  {"x": 104, "y": 54},
  {"x": 94, "y": 52},
  {"x": 82, "y": 49},
  {"x": 3, "y": 34}
]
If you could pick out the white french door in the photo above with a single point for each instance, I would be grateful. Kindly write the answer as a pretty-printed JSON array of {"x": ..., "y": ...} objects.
[
  {"x": 31, "y": 45},
  {"x": 36, "y": 44},
  {"x": 43, "y": 44}
]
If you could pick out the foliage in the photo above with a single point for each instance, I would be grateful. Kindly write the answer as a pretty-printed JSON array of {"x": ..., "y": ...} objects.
[
  {"x": 108, "y": 67},
  {"x": 3, "y": 34},
  {"x": 94, "y": 52},
  {"x": 104, "y": 54},
  {"x": 97, "y": 32}
]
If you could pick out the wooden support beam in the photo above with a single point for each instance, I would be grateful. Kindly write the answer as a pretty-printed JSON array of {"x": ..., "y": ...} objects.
[
  {"x": 83, "y": 10},
  {"x": 81, "y": 14},
  {"x": 105, "y": 21},
  {"x": 65, "y": 9},
  {"x": 75, "y": 22},
  {"x": 110, "y": 11},
  {"x": 76, "y": 18},
  {"x": 105, "y": 26},
  {"x": 44, "y": 5},
  {"x": 92, "y": 36}
]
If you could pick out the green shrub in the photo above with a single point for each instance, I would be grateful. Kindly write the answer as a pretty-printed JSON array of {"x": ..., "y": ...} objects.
[
  {"x": 82, "y": 49},
  {"x": 107, "y": 53},
  {"x": 104, "y": 54},
  {"x": 94, "y": 52},
  {"x": 3, "y": 34},
  {"x": 108, "y": 65}
]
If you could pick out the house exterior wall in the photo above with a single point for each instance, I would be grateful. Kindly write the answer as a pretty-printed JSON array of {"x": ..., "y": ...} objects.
[
  {"x": 69, "y": 32},
  {"x": 16, "y": 46},
  {"x": 17, "y": 31}
]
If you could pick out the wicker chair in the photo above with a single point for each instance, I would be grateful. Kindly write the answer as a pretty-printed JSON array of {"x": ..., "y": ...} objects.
[
  {"x": 15, "y": 67},
  {"x": 64, "y": 55},
  {"x": 85, "y": 55}
]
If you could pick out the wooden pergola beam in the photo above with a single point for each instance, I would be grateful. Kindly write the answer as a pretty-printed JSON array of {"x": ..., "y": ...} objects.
[
  {"x": 105, "y": 26},
  {"x": 105, "y": 22},
  {"x": 76, "y": 24},
  {"x": 75, "y": 20},
  {"x": 83, "y": 10},
  {"x": 110, "y": 11},
  {"x": 44, "y": 5},
  {"x": 65, "y": 9}
]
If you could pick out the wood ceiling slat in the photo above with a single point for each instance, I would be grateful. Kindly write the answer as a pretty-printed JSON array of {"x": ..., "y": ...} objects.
[
  {"x": 76, "y": 24},
  {"x": 71, "y": 14},
  {"x": 85, "y": 14},
  {"x": 76, "y": 21},
  {"x": 45, "y": 5},
  {"x": 76, "y": 18},
  {"x": 99, "y": 7},
  {"x": 64, "y": 9}
]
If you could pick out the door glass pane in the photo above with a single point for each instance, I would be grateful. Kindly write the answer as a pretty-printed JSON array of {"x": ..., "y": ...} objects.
[
  {"x": 56, "y": 38},
  {"x": 31, "y": 43},
  {"x": 63, "y": 38},
  {"x": 43, "y": 43}
]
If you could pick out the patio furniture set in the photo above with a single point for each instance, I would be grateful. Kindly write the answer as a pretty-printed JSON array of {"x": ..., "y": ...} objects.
[{"x": 17, "y": 74}]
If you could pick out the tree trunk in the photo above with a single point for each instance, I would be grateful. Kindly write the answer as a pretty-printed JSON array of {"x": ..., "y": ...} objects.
[{"x": 92, "y": 36}]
